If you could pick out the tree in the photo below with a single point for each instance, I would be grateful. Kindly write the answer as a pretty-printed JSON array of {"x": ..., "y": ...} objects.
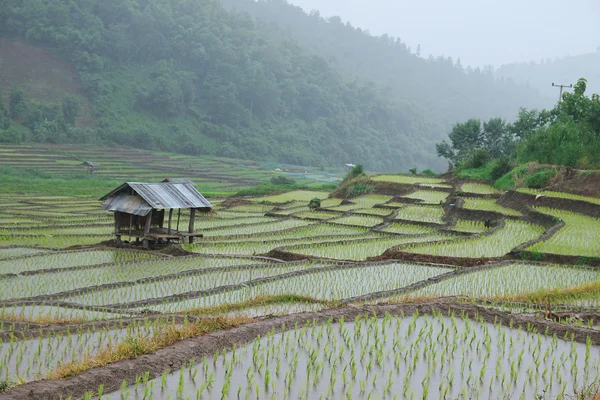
[
  {"x": 4, "y": 117},
  {"x": 16, "y": 104},
  {"x": 70, "y": 109},
  {"x": 463, "y": 138},
  {"x": 497, "y": 139},
  {"x": 527, "y": 122}
]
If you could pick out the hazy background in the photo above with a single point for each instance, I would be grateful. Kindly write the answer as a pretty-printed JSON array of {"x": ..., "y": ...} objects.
[{"x": 480, "y": 32}]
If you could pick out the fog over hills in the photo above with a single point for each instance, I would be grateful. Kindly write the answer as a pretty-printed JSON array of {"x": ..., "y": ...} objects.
[{"x": 479, "y": 32}]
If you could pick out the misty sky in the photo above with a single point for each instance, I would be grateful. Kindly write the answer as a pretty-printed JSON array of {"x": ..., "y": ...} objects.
[{"x": 480, "y": 32}]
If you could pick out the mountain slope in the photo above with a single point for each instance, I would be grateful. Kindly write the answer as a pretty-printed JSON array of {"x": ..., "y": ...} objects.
[
  {"x": 564, "y": 71},
  {"x": 447, "y": 91},
  {"x": 190, "y": 76}
]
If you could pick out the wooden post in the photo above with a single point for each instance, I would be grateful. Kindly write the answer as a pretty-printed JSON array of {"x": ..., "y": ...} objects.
[
  {"x": 130, "y": 225},
  {"x": 191, "y": 227},
  {"x": 118, "y": 226},
  {"x": 148, "y": 222},
  {"x": 170, "y": 220},
  {"x": 145, "y": 241},
  {"x": 178, "y": 218}
]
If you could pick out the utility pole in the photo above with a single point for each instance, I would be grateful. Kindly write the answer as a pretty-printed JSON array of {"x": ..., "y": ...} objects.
[{"x": 561, "y": 89}]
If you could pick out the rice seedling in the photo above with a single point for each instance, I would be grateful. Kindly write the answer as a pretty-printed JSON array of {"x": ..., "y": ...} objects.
[
  {"x": 473, "y": 203},
  {"x": 497, "y": 244},
  {"x": 361, "y": 249},
  {"x": 560, "y": 195},
  {"x": 579, "y": 237},
  {"x": 384, "y": 212},
  {"x": 421, "y": 213},
  {"x": 478, "y": 188},
  {"x": 513, "y": 279},
  {"x": 255, "y": 247},
  {"x": 169, "y": 287},
  {"x": 469, "y": 226},
  {"x": 428, "y": 196},
  {"x": 298, "y": 195},
  {"x": 322, "y": 215},
  {"x": 68, "y": 259},
  {"x": 24, "y": 360},
  {"x": 408, "y": 229},
  {"x": 407, "y": 179},
  {"x": 57, "y": 282},
  {"x": 427, "y": 357},
  {"x": 313, "y": 230},
  {"x": 19, "y": 251},
  {"x": 358, "y": 220},
  {"x": 256, "y": 228}
]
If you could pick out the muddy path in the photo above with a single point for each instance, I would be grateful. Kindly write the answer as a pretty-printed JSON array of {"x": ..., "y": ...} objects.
[{"x": 173, "y": 357}]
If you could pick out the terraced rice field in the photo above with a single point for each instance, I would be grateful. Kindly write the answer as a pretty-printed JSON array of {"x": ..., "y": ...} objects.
[{"x": 308, "y": 303}]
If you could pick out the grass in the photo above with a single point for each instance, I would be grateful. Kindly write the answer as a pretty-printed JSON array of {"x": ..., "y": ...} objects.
[
  {"x": 406, "y": 179},
  {"x": 555, "y": 295},
  {"x": 258, "y": 301},
  {"x": 136, "y": 346}
]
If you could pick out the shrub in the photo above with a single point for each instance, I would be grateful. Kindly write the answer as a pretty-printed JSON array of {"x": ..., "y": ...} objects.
[
  {"x": 476, "y": 159},
  {"x": 355, "y": 172},
  {"x": 314, "y": 203},
  {"x": 282, "y": 180},
  {"x": 353, "y": 187},
  {"x": 358, "y": 188},
  {"x": 539, "y": 179},
  {"x": 413, "y": 171},
  {"x": 501, "y": 167},
  {"x": 428, "y": 172}
]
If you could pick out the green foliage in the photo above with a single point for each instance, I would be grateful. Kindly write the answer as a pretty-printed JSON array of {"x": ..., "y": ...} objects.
[
  {"x": 500, "y": 168},
  {"x": 471, "y": 141},
  {"x": 413, "y": 171},
  {"x": 476, "y": 158},
  {"x": 569, "y": 134},
  {"x": 16, "y": 104},
  {"x": 4, "y": 117},
  {"x": 5, "y": 385},
  {"x": 355, "y": 172},
  {"x": 539, "y": 179},
  {"x": 192, "y": 77},
  {"x": 70, "y": 109},
  {"x": 282, "y": 180},
  {"x": 428, "y": 172},
  {"x": 354, "y": 187},
  {"x": 432, "y": 84},
  {"x": 14, "y": 134},
  {"x": 314, "y": 203}
]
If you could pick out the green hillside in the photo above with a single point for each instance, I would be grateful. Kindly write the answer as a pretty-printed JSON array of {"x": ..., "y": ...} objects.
[
  {"x": 444, "y": 89},
  {"x": 192, "y": 77}
]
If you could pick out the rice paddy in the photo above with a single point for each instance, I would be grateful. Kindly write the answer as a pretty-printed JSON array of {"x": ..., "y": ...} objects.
[{"x": 70, "y": 300}]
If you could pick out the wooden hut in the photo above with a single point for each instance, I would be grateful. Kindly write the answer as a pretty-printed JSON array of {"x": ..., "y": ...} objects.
[
  {"x": 140, "y": 210},
  {"x": 90, "y": 166}
]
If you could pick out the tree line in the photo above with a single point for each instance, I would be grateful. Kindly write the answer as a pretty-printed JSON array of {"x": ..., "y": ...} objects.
[
  {"x": 568, "y": 134},
  {"x": 193, "y": 77}
]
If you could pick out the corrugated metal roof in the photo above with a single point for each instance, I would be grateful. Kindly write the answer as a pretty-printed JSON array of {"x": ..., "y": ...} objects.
[
  {"x": 128, "y": 204},
  {"x": 162, "y": 195}
]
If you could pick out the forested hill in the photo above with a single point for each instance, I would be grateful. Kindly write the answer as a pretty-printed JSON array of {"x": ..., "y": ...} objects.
[
  {"x": 193, "y": 77},
  {"x": 448, "y": 91},
  {"x": 566, "y": 70}
]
